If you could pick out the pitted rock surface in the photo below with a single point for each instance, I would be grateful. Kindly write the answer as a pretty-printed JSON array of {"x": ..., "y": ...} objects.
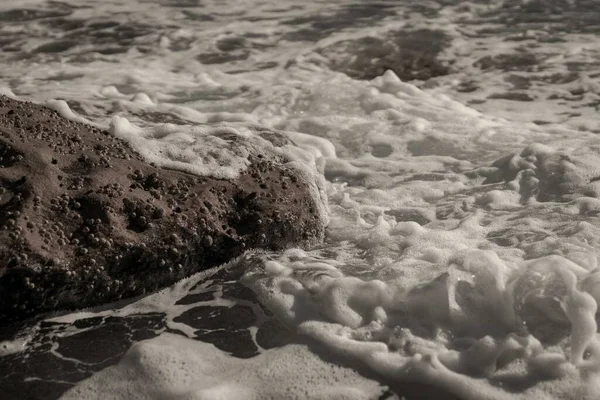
[{"x": 84, "y": 220}]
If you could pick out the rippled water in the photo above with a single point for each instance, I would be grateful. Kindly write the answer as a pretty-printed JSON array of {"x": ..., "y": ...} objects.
[{"x": 459, "y": 145}]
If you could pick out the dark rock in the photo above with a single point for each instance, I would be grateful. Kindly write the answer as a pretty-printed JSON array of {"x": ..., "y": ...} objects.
[{"x": 84, "y": 220}]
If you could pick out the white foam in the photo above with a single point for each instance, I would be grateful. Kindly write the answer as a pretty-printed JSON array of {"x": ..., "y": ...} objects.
[
  {"x": 65, "y": 111},
  {"x": 199, "y": 150},
  {"x": 13, "y": 346},
  {"x": 7, "y": 92},
  {"x": 174, "y": 367},
  {"x": 365, "y": 315},
  {"x": 442, "y": 262}
]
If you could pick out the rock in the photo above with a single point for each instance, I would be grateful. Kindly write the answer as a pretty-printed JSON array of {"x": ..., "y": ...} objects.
[{"x": 85, "y": 220}]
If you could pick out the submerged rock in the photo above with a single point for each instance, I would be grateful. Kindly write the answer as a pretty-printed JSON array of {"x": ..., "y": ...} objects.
[{"x": 85, "y": 220}]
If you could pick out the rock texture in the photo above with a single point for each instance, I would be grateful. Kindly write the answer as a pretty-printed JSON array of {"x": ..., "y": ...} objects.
[{"x": 84, "y": 220}]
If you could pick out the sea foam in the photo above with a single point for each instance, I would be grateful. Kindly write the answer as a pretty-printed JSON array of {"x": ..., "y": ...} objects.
[{"x": 462, "y": 245}]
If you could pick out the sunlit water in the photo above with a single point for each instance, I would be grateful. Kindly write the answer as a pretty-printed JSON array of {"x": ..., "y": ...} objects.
[{"x": 458, "y": 141}]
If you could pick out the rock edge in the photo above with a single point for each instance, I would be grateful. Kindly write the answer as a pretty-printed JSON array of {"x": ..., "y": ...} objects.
[{"x": 84, "y": 220}]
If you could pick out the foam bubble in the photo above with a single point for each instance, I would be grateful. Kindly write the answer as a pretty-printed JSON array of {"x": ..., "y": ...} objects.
[
  {"x": 179, "y": 368},
  {"x": 65, "y": 111},
  {"x": 479, "y": 325}
]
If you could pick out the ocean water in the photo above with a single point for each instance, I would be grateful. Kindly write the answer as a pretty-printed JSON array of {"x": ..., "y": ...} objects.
[{"x": 455, "y": 149}]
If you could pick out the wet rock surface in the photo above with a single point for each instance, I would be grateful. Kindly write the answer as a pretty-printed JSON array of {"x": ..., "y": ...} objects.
[{"x": 84, "y": 220}]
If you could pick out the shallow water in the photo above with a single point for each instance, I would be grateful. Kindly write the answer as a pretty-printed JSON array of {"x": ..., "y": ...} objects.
[{"x": 458, "y": 142}]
